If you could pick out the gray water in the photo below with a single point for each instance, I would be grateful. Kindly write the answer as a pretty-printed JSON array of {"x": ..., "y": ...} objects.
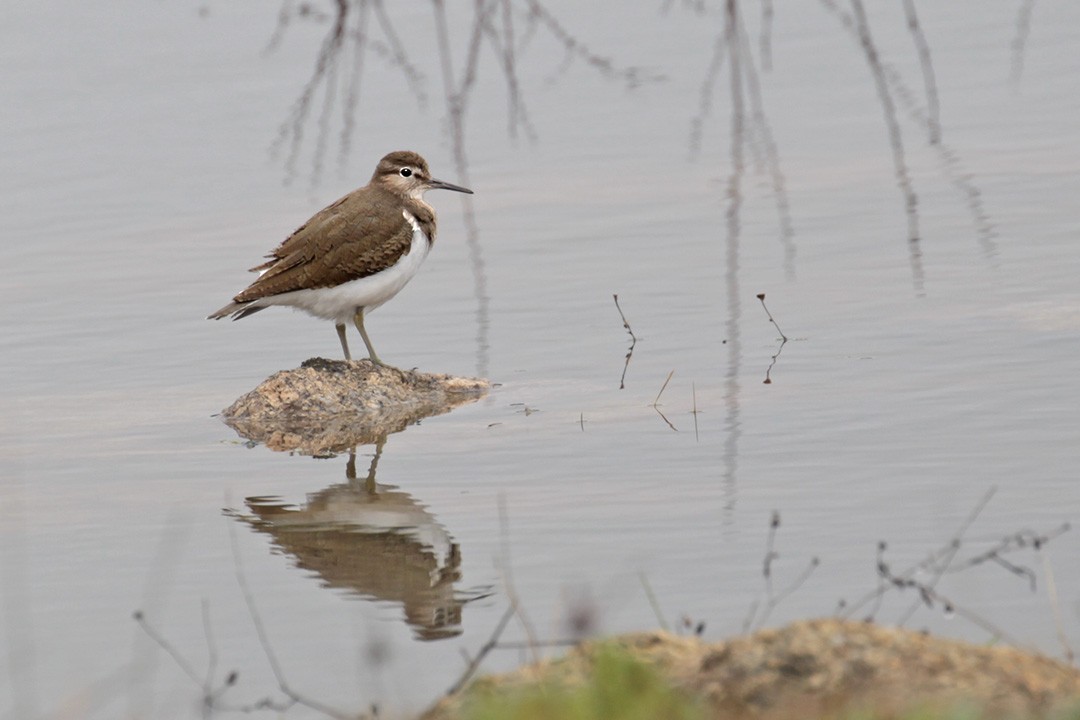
[{"x": 145, "y": 168}]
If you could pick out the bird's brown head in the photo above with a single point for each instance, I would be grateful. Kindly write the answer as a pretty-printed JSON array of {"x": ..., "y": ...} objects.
[{"x": 406, "y": 173}]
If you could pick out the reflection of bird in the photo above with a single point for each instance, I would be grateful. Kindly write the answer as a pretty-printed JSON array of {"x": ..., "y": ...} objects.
[
  {"x": 354, "y": 255},
  {"x": 375, "y": 541}
]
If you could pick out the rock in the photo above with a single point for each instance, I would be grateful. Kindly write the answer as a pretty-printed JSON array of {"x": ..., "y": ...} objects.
[
  {"x": 328, "y": 406},
  {"x": 823, "y": 669}
]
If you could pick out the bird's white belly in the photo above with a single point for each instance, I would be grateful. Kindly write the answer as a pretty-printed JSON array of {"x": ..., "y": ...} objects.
[{"x": 339, "y": 303}]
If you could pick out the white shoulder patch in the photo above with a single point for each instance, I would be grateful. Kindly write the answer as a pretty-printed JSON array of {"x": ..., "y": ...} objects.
[{"x": 411, "y": 219}]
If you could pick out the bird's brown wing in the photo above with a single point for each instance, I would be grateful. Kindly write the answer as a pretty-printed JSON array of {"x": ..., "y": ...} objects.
[{"x": 340, "y": 243}]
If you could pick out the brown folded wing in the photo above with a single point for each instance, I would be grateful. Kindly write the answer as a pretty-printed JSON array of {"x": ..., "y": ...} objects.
[{"x": 355, "y": 237}]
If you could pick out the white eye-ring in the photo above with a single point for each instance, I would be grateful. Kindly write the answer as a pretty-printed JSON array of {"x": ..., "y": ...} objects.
[{"x": 406, "y": 172}]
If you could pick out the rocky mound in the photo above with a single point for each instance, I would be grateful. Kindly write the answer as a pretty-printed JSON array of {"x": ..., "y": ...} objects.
[
  {"x": 329, "y": 406},
  {"x": 825, "y": 668}
]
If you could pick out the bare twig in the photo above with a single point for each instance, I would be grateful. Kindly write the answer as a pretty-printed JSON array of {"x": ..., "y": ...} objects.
[
  {"x": 169, "y": 648},
  {"x": 929, "y": 597},
  {"x": 662, "y": 388},
  {"x": 771, "y": 597},
  {"x": 653, "y": 602},
  {"x": 633, "y": 343},
  {"x": 1055, "y": 606},
  {"x": 506, "y": 571},
  {"x": 491, "y": 644},
  {"x": 656, "y": 403},
  {"x": 625, "y": 323},
  {"x": 953, "y": 547},
  {"x": 761, "y": 297},
  {"x": 295, "y": 698},
  {"x": 783, "y": 341},
  {"x": 211, "y": 650},
  {"x": 695, "y": 411},
  {"x": 943, "y": 561},
  {"x": 665, "y": 418}
]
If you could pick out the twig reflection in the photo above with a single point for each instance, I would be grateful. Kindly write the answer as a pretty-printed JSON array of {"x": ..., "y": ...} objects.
[
  {"x": 922, "y": 47},
  {"x": 928, "y": 119},
  {"x": 896, "y": 141},
  {"x": 1023, "y": 29},
  {"x": 733, "y": 44},
  {"x": 733, "y": 229}
]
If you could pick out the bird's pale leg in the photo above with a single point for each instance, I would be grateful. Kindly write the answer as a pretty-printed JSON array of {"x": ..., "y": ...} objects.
[
  {"x": 344, "y": 342},
  {"x": 358, "y": 318}
]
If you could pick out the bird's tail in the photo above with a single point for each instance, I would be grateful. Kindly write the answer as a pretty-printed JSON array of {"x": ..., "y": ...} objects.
[{"x": 236, "y": 309}]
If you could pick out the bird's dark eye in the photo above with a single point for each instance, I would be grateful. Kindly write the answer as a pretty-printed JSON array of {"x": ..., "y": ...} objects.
[{"x": 406, "y": 172}]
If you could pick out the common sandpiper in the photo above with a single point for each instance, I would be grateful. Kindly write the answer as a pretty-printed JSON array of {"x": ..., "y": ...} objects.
[{"x": 354, "y": 255}]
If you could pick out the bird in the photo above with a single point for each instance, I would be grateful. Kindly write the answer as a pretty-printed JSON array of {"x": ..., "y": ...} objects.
[{"x": 353, "y": 255}]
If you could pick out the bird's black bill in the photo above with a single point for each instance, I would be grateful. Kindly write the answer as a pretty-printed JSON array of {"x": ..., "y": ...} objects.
[{"x": 440, "y": 185}]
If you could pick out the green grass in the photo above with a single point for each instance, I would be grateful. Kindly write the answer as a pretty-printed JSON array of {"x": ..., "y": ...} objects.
[{"x": 619, "y": 687}]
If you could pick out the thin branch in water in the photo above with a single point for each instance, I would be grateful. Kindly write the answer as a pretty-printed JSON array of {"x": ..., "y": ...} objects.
[
  {"x": 695, "y": 411},
  {"x": 625, "y": 323},
  {"x": 761, "y": 297},
  {"x": 633, "y": 343},
  {"x": 665, "y": 418},
  {"x": 656, "y": 403},
  {"x": 783, "y": 341},
  {"x": 662, "y": 388},
  {"x": 772, "y": 362}
]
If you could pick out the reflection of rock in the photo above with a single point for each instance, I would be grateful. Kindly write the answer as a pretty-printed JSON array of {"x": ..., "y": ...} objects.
[
  {"x": 374, "y": 540},
  {"x": 328, "y": 406}
]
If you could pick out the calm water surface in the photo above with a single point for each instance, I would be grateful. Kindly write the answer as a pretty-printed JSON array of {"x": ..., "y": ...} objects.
[{"x": 142, "y": 174}]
